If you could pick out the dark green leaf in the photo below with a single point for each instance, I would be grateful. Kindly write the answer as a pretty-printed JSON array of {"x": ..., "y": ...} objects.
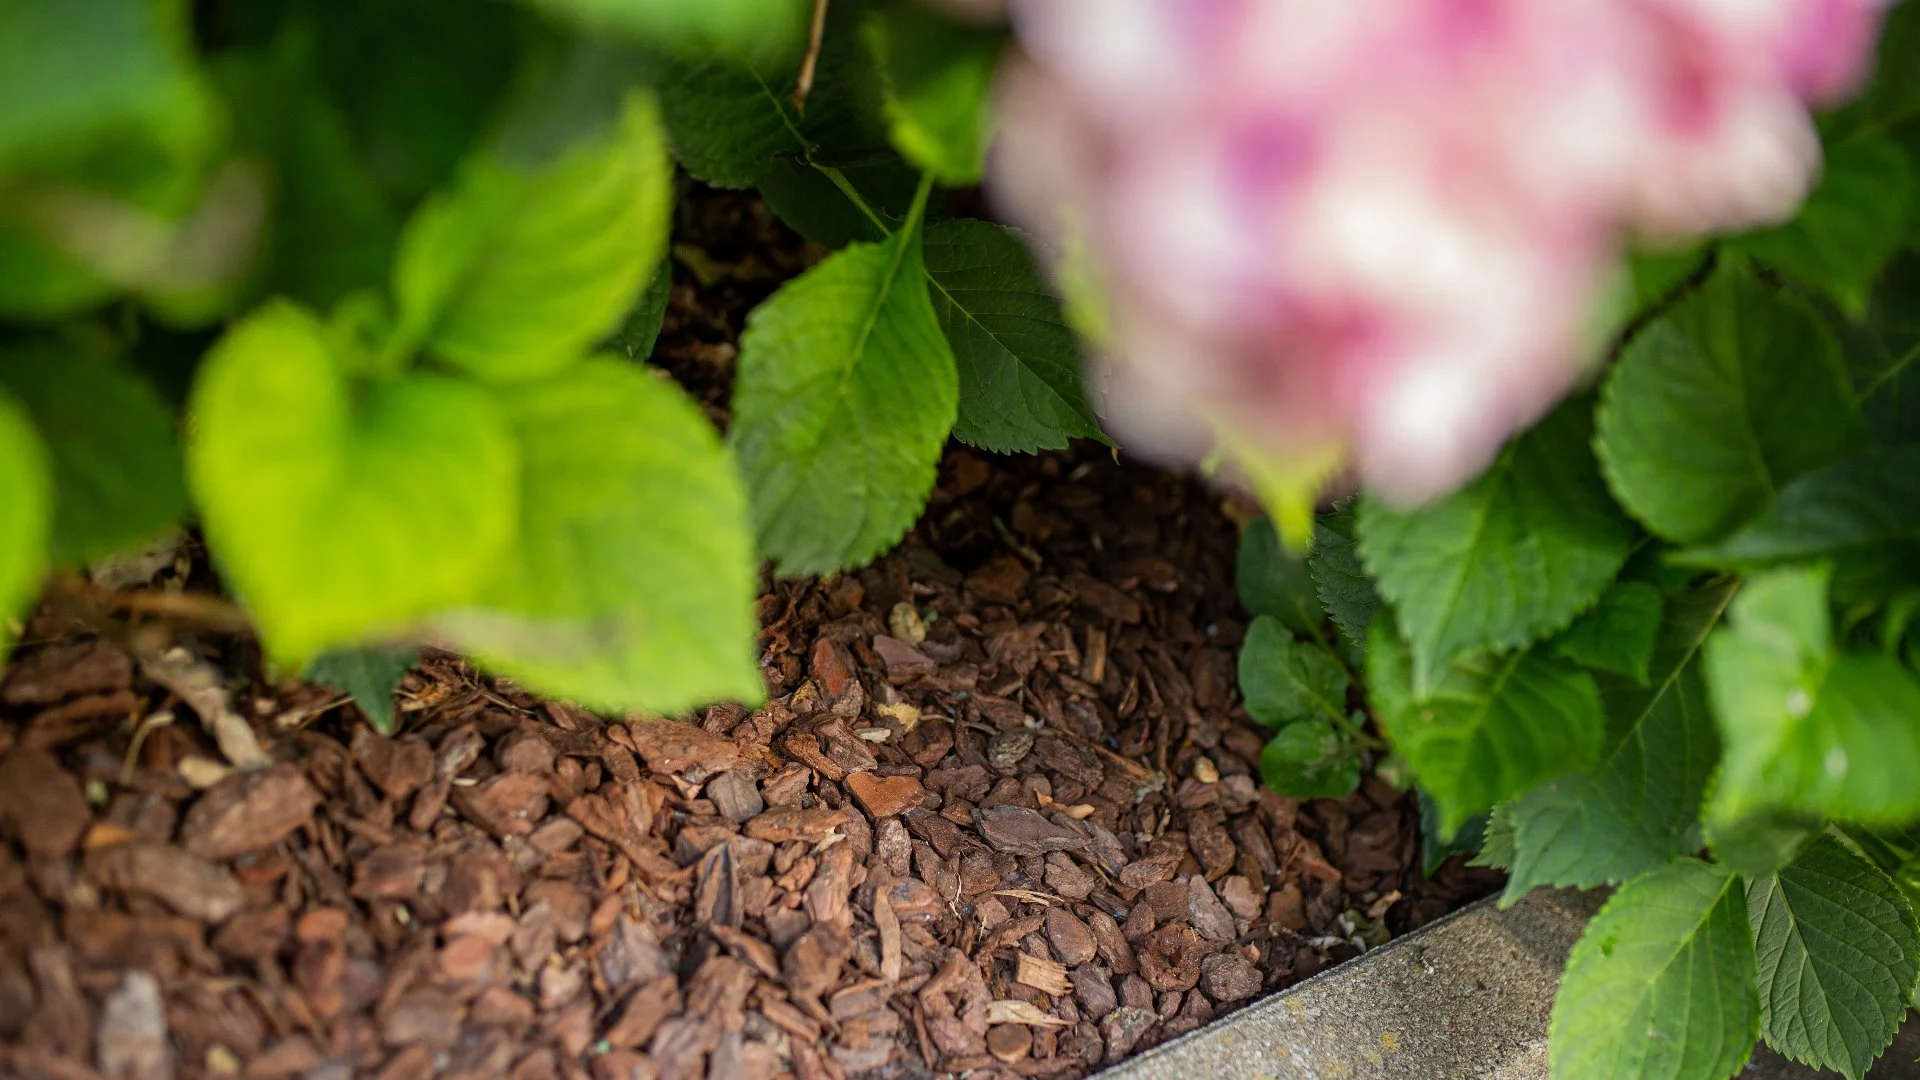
[
  {"x": 1868, "y": 501},
  {"x": 631, "y": 584},
  {"x": 806, "y": 198},
  {"x": 516, "y": 273},
  {"x": 109, "y": 440},
  {"x": 1345, "y": 590},
  {"x": 1490, "y": 728},
  {"x": 1851, "y": 223},
  {"x": 936, "y": 75},
  {"x": 1021, "y": 385},
  {"x": 1436, "y": 848},
  {"x": 1274, "y": 581},
  {"x": 1760, "y": 843},
  {"x": 1640, "y": 806},
  {"x": 1839, "y": 954},
  {"x": 1510, "y": 558},
  {"x": 371, "y": 675},
  {"x": 1617, "y": 634},
  {"x": 1283, "y": 680},
  {"x": 331, "y": 230},
  {"x": 1660, "y": 986},
  {"x": 642, "y": 328},
  {"x": 343, "y": 513},
  {"x": 844, "y": 397},
  {"x": 1309, "y": 760},
  {"x": 1719, "y": 403}
]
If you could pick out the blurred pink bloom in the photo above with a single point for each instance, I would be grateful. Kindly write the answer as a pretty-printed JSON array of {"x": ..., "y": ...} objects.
[{"x": 1377, "y": 229}]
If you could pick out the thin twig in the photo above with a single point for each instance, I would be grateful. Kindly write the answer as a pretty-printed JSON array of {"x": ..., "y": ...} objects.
[{"x": 803, "y": 85}]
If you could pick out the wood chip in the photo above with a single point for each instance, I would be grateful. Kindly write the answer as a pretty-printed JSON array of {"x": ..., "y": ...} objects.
[{"x": 1045, "y": 976}]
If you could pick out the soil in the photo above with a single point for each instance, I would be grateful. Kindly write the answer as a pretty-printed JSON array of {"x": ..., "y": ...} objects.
[{"x": 1001, "y": 814}]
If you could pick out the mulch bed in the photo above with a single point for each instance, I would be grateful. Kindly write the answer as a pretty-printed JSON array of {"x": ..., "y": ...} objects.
[{"x": 1001, "y": 814}]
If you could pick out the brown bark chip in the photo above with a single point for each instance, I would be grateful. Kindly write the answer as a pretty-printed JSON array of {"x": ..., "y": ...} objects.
[
  {"x": 885, "y": 796},
  {"x": 248, "y": 811},
  {"x": 41, "y": 803}
]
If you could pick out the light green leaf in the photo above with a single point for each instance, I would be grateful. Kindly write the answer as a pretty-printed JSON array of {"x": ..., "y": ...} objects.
[
  {"x": 1021, "y": 384},
  {"x": 1496, "y": 847},
  {"x": 1640, "y": 806},
  {"x": 1718, "y": 404},
  {"x": 1274, "y": 581},
  {"x": 1660, "y": 986},
  {"x": 1346, "y": 591},
  {"x": 1283, "y": 681},
  {"x": 1309, "y": 760},
  {"x": 1839, "y": 954},
  {"x": 1510, "y": 558},
  {"x": 844, "y": 397},
  {"x": 937, "y": 75},
  {"x": 516, "y": 272},
  {"x": 26, "y": 513},
  {"x": 766, "y": 29},
  {"x": 343, "y": 513},
  {"x": 1490, "y": 728},
  {"x": 1617, "y": 634},
  {"x": 631, "y": 585},
  {"x": 109, "y": 441},
  {"x": 371, "y": 675},
  {"x": 1867, "y": 501},
  {"x": 636, "y": 337},
  {"x": 1850, "y": 225},
  {"x": 1807, "y": 729}
]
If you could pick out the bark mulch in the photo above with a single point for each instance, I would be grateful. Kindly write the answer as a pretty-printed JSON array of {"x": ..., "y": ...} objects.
[{"x": 1001, "y": 816}]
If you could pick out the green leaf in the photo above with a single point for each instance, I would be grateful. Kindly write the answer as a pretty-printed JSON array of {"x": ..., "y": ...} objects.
[
  {"x": 371, "y": 675},
  {"x": 729, "y": 118},
  {"x": 1436, "y": 848},
  {"x": 76, "y": 77},
  {"x": 331, "y": 230},
  {"x": 1496, "y": 848},
  {"x": 1883, "y": 355},
  {"x": 1512, "y": 557},
  {"x": 1283, "y": 681},
  {"x": 843, "y": 400},
  {"x": 516, "y": 272},
  {"x": 110, "y": 443},
  {"x": 1309, "y": 760},
  {"x": 1274, "y": 581},
  {"x": 1660, "y": 986},
  {"x": 1021, "y": 385},
  {"x": 636, "y": 337},
  {"x": 631, "y": 585},
  {"x": 1867, "y": 501},
  {"x": 1346, "y": 591},
  {"x": 1490, "y": 728},
  {"x": 936, "y": 75},
  {"x": 1617, "y": 634},
  {"x": 1719, "y": 403},
  {"x": 1760, "y": 843},
  {"x": 1807, "y": 729},
  {"x": 765, "y": 29},
  {"x": 807, "y": 199},
  {"x": 26, "y": 513},
  {"x": 1850, "y": 225},
  {"x": 1839, "y": 954},
  {"x": 343, "y": 513},
  {"x": 1640, "y": 806}
]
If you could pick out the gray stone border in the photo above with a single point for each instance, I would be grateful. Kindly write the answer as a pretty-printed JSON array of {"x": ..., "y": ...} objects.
[{"x": 1465, "y": 998}]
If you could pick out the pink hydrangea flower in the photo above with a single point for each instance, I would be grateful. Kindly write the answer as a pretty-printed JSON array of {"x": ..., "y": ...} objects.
[{"x": 1375, "y": 231}]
